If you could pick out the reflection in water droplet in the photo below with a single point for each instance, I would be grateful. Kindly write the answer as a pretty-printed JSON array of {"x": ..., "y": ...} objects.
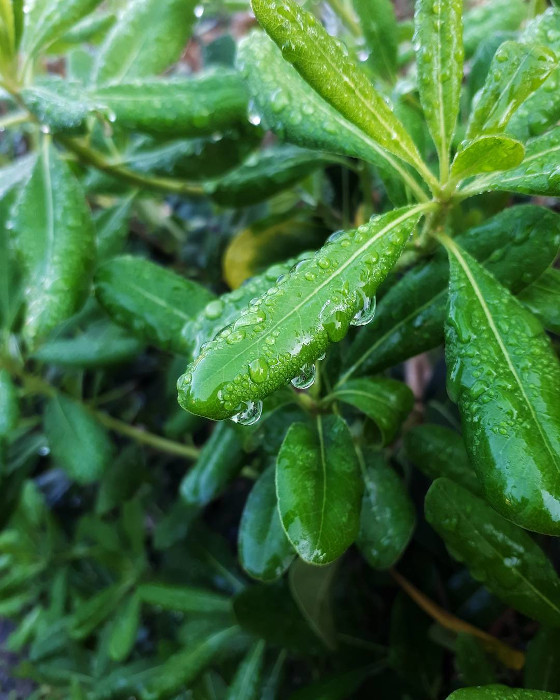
[
  {"x": 250, "y": 414},
  {"x": 305, "y": 378},
  {"x": 366, "y": 314}
]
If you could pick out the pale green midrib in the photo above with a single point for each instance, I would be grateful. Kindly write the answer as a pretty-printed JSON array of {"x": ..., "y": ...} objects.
[
  {"x": 502, "y": 347},
  {"x": 443, "y": 134},
  {"x": 323, "y": 460},
  {"x": 411, "y": 213},
  {"x": 174, "y": 311},
  {"x": 250, "y": 669},
  {"x": 49, "y": 206}
]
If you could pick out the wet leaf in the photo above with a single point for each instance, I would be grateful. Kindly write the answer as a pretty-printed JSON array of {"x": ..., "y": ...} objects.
[
  {"x": 489, "y": 18},
  {"x": 58, "y": 104},
  {"x": 486, "y": 154},
  {"x": 500, "y": 692},
  {"x": 311, "y": 588},
  {"x": 379, "y": 26},
  {"x": 542, "y": 298}
]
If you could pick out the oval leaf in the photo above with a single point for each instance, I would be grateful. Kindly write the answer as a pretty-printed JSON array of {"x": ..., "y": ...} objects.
[{"x": 486, "y": 154}]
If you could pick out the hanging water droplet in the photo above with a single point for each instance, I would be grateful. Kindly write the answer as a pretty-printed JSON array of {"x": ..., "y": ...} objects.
[
  {"x": 254, "y": 116},
  {"x": 366, "y": 314},
  {"x": 305, "y": 378},
  {"x": 199, "y": 11},
  {"x": 249, "y": 414}
]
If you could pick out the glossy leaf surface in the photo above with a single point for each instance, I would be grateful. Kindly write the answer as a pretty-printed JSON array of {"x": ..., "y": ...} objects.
[
  {"x": 385, "y": 401},
  {"x": 387, "y": 517},
  {"x": 503, "y": 374},
  {"x": 517, "y": 70},
  {"x": 311, "y": 587},
  {"x": 498, "y": 553},
  {"x": 439, "y": 59},
  {"x": 294, "y": 322},
  {"x": 150, "y": 300},
  {"x": 379, "y": 25},
  {"x": 319, "y": 489},
  {"x": 54, "y": 236},
  {"x": 516, "y": 245},
  {"x": 542, "y": 299},
  {"x": 264, "y": 550},
  {"x": 500, "y": 692},
  {"x": 486, "y": 154},
  {"x": 326, "y": 66}
]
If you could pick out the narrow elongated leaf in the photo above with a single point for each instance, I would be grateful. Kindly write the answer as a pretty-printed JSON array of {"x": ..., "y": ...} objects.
[
  {"x": 125, "y": 629},
  {"x": 111, "y": 228},
  {"x": 319, "y": 489},
  {"x": 387, "y": 517},
  {"x": 507, "y": 396},
  {"x": 439, "y": 56},
  {"x": 379, "y": 25},
  {"x": 247, "y": 677},
  {"x": 542, "y": 667},
  {"x": 439, "y": 451},
  {"x": 539, "y": 173},
  {"x": 77, "y": 441},
  {"x": 385, "y": 401},
  {"x": 9, "y": 405},
  {"x": 326, "y": 66},
  {"x": 498, "y": 553},
  {"x": 486, "y": 154},
  {"x": 153, "y": 302},
  {"x": 91, "y": 613},
  {"x": 500, "y": 692},
  {"x": 281, "y": 96},
  {"x": 293, "y": 323},
  {"x": 58, "y": 104},
  {"x": 311, "y": 588},
  {"x": 489, "y": 18},
  {"x": 542, "y": 298},
  {"x": 517, "y": 70},
  {"x": 264, "y": 550},
  {"x": 202, "y": 105},
  {"x": 54, "y": 236},
  {"x": 148, "y": 36},
  {"x": 183, "y": 598},
  {"x": 516, "y": 245}
]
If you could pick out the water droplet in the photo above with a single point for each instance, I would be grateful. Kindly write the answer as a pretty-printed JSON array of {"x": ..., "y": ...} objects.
[
  {"x": 366, "y": 314},
  {"x": 305, "y": 378},
  {"x": 249, "y": 414},
  {"x": 199, "y": 11},
  {"x": 258, "y": 370},
  {"x": 323, "y": 263},
  {"x": 214, "y": 309}
]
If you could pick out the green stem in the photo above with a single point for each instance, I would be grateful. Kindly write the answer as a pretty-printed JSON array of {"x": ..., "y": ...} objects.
[{"x": 13, "y": 119}]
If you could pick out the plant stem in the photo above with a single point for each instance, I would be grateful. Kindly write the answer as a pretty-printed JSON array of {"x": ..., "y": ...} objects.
[{"x": 13, "y": 119}]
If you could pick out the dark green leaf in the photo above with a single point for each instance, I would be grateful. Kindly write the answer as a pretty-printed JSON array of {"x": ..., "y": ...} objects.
[
  {"x": 486, "y": 154},
  {"x": 9, "y": 405},
  {"x": 92, "y": 612},
  {"x": 150, "y": 300},
  {"x": 319, "y": 489},
  {"x": 498, "y": 553},
  {"x": 125, "y": 629},
  {"x": 311, "y": 588},
  {"x": 472, "y": 662},
  {"x": 247, "y": 677},
  {"x": 500, "y": 692},
  {"x": 387, "y": 517},
  {"x": 542, "y": 299},
  {"x": 379, "y": 25},
  {"x": 264, "y": 550},
  {"x": 542, "y": 667},
  {"x": 111, "y": 228},
  {"x": 183, "y": 598},
  {"x": 503, "y": 374},
  {"x": 77, "y": 441}
]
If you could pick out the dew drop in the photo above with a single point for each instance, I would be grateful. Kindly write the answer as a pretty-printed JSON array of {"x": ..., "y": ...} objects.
[
  {"x": 366, "y": 314},
  {"x": 305, "y": 378},
  {"x": 249, "y": 414},
  {"x": 214, "y": 309},
  {"x": 258, "y": 370}
]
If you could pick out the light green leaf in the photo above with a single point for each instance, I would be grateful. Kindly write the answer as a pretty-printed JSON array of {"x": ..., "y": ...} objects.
[
  {"x": 77, "y": 441},
  {"x": 387, "y": 516},
  {"x": 183, "y": 598},
  {"x": 542, "y": 298},
  {"x": 58, "y": 104},
  {"x": 379, "y": 25},
  {"x": 54, "y": 236},
  {"x": 247, "y": 677},
  {"x": 311, "y": 588},
  {"x": 111, "y": 228},
  {"x": 151, "y": 301},
  {"x": 125, "y": 629},
  {"x": 500, "y": 692},
  {"x": 439, "y": 57},
  {"x": 517, "y": 70},
  {"x": 486, "y": 154},
  {"x": 9, "y": 405},
  {"x": 92, "y": 612},
  {"x": 488, "y": 18},
  {"x": 264, "y": 550},
  {"x": 319, "y": 489},
  {"x": 498, "y": 553},
  {"x": 326, "y": 66},
  {"x": 148, "y": 36},
  {"x": 505, "y": 377},
  {"x": 262, "y": 351},
  {"x": 386, "y": 402}
]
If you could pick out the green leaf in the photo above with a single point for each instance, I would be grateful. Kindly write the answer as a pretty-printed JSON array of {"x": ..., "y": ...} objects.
[
  {"x": 488, "y": 18},
  {"x": 311, "y": 588},
  {"x": 247, "y": 677},
  {"x": 516, "y": 245},
  {"x": 439, "y": 451},
  {"x": 326, "y": 66},
  {"x": 54, "y": 236},
  {"x": 542, "y": 666},
  {"x": 218, "y": 463},
  {"x": 9, "y": 405},
  {"x": 209, "y": 102},
  {"x": 503, "y": 374},
  {"x": 439, "y": 58},
  {"x": 387, "y": 517},
  {"x": 379, "y": 25},
  {"x": 517, "y": 70},
  {"x": 500, "y": 692},
  {"x": 47, "y": 20},
  {"x": 498, "y": 553},
  {"x": 486, "y": 154},
  {"x": 264, "y": 550},
  {"x": 333, "y": 687},
  {"x": 542, "y": 298},
  {"x": 183, "y": 598},
  {"x": 263, "y": 348},
  {"x": 77, "y": 441},
  {"x": 92, "y": 612},
  {"x": 385, "y": 401},
  {"x": 111, "y": 228},
  {"x": 539, "y": 172},
  {"x": 280, "y": 96},
  {"x": 148, "y": 36},
  {"x": 264, "y": 174},
  {"x": 125, "y": 629},
  {"x": 472, "y": 661},
  {"x": 151, "y": 301},
  {"x": 319, "y": 489},
  {"x": 58, "y": 104},
  {"x": 101, "y": 344}
]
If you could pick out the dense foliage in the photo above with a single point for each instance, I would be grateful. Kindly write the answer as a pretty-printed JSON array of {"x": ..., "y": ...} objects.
[{"x": 355, "y": 525}]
